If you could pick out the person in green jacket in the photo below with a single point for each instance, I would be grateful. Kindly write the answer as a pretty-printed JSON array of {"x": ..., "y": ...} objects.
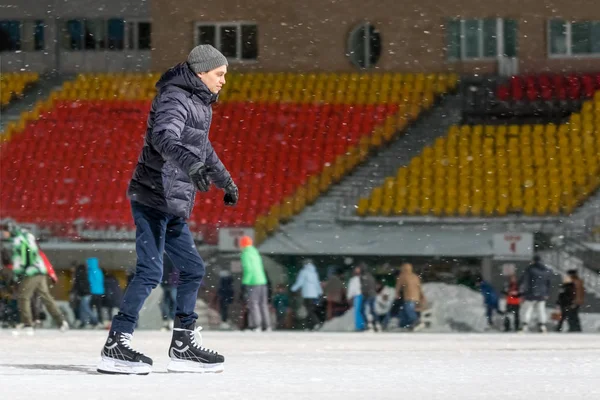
[
  {"x": 254, "y": 282},
  {"x": 29, "y": 270}
]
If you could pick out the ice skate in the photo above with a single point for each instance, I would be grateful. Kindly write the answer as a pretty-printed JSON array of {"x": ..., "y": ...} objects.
[
  {"x": 418, "y": 327},
  {"x": 188, "y": 355},
  {"x": 224, "y": 326},
  {"x": 118, "y": 357},
  {"x": 64, "y": 326},
  {"x": 22, "y": 330}
]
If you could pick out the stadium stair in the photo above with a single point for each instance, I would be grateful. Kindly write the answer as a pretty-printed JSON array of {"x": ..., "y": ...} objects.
[
  {"x": 43, "y": 87},
  {"x": 339, "y": 201},
  {"x": 568, "y": 255},
  {"x": 14, "y": 84}
]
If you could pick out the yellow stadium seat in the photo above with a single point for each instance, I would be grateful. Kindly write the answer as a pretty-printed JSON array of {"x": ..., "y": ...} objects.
[
  {"x": 287, "y": 209},
  {"x": 375, "y": 201},
  {"x": 362, "y": 206},
  {"x": 299, "y": 199},
  {"x": 260, "y": 233}
]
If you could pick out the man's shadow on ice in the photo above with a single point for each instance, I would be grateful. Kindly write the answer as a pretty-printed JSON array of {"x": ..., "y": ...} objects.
[{"x": 84, "y": 369}]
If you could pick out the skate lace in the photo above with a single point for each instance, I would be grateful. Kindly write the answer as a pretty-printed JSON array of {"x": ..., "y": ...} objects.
[
  {"x": 125, "y": 341},
  {"x": 196, "y": 339}
]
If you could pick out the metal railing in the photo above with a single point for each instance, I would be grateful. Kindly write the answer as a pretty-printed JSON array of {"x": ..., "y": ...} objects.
[
  {"x": 592, "y": 228},
  {"x": 562, "y": 261}
]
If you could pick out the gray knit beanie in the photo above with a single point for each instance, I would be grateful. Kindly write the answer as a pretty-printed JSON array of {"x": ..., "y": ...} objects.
[{"x": 204, "y": 58}]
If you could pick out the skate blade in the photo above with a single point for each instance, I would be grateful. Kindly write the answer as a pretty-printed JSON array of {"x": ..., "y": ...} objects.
[
  {"x": 117, "y": 367},
  {"x": 120, "y": 373},
  {"x": 182, "y": 366}
]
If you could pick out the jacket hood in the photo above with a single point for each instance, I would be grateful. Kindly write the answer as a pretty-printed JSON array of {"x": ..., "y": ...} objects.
[
  {"x": 538, "y": 267},
  {"x": 310, "y": 267},
  {"x": 182, "y": 77}
]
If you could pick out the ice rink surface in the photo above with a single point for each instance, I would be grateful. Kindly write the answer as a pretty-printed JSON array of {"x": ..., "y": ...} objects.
[{"x": 331, "y": 366}]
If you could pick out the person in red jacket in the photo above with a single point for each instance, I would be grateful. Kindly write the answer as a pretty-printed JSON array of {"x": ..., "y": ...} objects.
[
  {"x": 49, "y": 268},
  {"x": 513, "y": 303}
]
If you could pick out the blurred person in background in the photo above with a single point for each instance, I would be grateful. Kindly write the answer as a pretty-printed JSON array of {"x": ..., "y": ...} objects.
[
  {"x": 83, "y": 297},
  {"x": 73, "y": 299},
  {"x": 97, "y": 290},
  {"x": 9, "y": 310},
  {"x": 254, "y": 281},
  {"x": 578, "y": 301},
  {"x": 112, "y": 294},
  {"x": 368, "y": 288},
  {"x": 176, "y": 162},
  {"x": 565, "y": 302},
  {"x": 225, "y": 295},
  {"x": 535, "y": 286},
  {"x": 490, "y": 300},
  {"x": 408, "y": 287},
  {"x": 309, "y": 285},
  {"x": 281, "y": 304},
  {"x": 37, "y": 310},
  {"x": 335, "y": 294},
  {"x": 354, "y": 297},
  {"x": 383, "y": 304},
  {"x": 29, "y": 270},
  {"x": 513, "y": 303}
]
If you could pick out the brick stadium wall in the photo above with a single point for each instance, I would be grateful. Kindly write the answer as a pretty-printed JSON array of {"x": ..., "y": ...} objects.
[{"x": 312, "y": 34}]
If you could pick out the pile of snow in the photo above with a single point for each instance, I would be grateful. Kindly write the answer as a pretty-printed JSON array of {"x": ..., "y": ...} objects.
[
  {"x": 455, "y": 308},
  {"x": 590, "y": 322},
  {"x": 343, "y": 323}
]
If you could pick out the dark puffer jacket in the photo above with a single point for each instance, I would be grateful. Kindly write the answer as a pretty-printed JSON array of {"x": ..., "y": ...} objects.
[
  {"x": 176, "y": 139},
  {"x": 535, "y": 282}
]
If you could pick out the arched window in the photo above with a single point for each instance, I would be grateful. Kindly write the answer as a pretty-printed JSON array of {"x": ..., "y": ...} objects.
[{"x": 364, "y": 45}]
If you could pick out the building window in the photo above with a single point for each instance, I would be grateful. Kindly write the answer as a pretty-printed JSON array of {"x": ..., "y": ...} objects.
[
  {"x": 236, "y": 40},
  {"x": 24, "y": 35},
  {"x": 572, "y": 39},
  {"x": 144, "y": 35},
  {"x": 488, "y": 38},
  {"x": 10, "y": 35},
  {"x": 364, "y": 46},
  {"x": 94, "y": 35},
  {"x": 139, "y": 35},
  {"x": 116, "y": 34},
  {"x": 38, "y": 35},
  {"x": 106, "y": 34}
]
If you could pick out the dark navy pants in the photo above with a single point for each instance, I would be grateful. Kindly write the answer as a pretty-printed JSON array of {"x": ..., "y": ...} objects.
[{"x": 157, "y": 233}]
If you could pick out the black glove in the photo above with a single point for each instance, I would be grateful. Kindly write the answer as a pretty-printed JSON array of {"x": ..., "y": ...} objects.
[
  {"x": 199, "y": 175},
  {"x": 231, "y": 194}
]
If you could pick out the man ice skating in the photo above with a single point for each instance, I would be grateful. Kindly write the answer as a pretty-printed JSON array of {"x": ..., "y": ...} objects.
[{"x": 177, "y": 160}]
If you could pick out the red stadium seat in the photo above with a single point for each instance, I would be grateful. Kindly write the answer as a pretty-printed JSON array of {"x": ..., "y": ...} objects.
[{"x": 87, "y": 151}]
